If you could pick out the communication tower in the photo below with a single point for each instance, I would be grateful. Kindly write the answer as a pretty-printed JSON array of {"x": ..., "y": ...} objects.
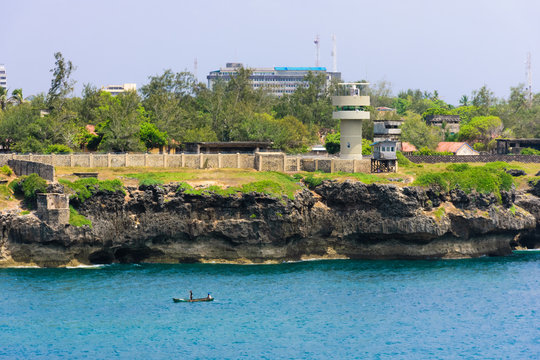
[
  {"x": 529, "y": 79},
  {"x": 317, "y": 49},
  {"x": 334, "y": 53}
]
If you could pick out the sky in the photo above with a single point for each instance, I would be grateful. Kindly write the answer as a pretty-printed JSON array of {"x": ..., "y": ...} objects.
[{"x": 453, "y": 46}]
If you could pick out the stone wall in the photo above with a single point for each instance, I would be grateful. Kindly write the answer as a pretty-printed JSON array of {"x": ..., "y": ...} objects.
[
  {"x": 432, "y": 159},
  {"x": 263, "y": 161},
  {"x": 22, "y": 167}
]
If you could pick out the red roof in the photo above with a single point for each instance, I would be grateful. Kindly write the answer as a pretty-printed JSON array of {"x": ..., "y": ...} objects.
[
  {"x": 452, "y": 147},
  {"x": 408, "y": 147}
]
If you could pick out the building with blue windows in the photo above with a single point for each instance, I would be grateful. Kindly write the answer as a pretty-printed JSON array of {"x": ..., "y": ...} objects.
[
  {"x": 277, "y": 80},
  {"x": 3, "y": 77}
]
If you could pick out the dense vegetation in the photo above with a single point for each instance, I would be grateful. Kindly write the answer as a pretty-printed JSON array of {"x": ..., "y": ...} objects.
[
  {"x": 173, "y": 108},
  {"x": 84, "y": 188}
]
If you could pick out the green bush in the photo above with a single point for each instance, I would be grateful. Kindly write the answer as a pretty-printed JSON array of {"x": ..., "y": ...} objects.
[
  {"x": 58, "y": 149},
  {"x": 402, "y": 160},
  {"x": 29, "y": 186},
  {"x": 458, "y": 167},
  {"x": 529, "y": 151},
  {"x": 150, "y": 182},
  {"x": 484, "y": 179},
  {"x": 76, "y": 219},
  {"x": 85, "y": 188},
  {"x": 6, "y": 170},
  {"x": 312, "y": 181}
]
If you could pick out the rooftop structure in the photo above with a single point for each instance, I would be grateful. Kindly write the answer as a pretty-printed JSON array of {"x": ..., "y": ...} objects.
[
  {"x": 277, "y": 80},
  {"x": 117, "y": 89},
  {"x": 457, "y": 148},
  {"x": 514, "y": 146},
  {"x": 3, "y": 77},
  {"x": 450, "y": 123},
  {"x": 384, "y": 156},
  {"x": 350, "y": 103},
  {"x": 407, "y": 148},
  {"x": 227, "y": 147}
]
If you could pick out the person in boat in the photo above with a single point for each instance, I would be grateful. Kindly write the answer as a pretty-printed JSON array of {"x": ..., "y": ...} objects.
[
  {"x": 190, "y": 295},
  {"x": 209, "y": 297}
]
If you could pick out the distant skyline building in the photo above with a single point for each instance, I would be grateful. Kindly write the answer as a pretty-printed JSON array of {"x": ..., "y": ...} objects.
[
  {"x": 277, "y": 80},
  {"x": 3, "y": 76},
  {"x": 117, "y": 89}
]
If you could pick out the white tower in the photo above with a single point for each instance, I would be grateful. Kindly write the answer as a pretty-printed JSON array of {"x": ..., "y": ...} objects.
[{"x": 350, "y": 106}]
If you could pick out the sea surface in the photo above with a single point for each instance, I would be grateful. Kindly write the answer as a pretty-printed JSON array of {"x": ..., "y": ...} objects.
[{"x": 487, "y": 308}]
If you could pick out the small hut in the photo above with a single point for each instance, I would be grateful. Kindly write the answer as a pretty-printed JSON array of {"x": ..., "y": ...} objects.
[{"x": 384, "y": 156}]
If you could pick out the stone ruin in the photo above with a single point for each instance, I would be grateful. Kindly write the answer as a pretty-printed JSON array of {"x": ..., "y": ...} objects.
[{"x": 53, "y": 208}]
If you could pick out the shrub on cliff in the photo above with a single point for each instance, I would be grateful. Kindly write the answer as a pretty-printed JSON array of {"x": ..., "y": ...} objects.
[
  {"x": 483, "y": 179},
  {"x": 84, "y": 188},
  {"x": 29, "y": 186}
]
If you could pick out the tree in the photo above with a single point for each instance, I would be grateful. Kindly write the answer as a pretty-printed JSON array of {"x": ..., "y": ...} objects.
[
  {"x": 464, "y": 100},
  {"x": 481, "y": 128},
  {"x": 484, "y": 99},
  {"x": 332, "y": 143},
  {"x": 61, "y": 84},
  {"x": 3, "y": 98},
  {"x": 122, "y": 115},
  {"x": 22, "y": 130},
  {"x": 17, "y": 96},
  {"x": 151, "y": 136},
  {"x": 415, "y": 131}
]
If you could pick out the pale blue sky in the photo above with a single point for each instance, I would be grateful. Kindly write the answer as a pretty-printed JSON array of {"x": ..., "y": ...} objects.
[{"x": 452, "y": 46}]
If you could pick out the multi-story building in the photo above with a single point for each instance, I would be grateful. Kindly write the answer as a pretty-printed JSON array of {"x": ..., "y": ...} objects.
[
  {"x": 387, "y": 125},
  {"x": 277, "y": 80},
  {"x": 449, "y": 123},
  {"x": 117, "y": 89},
  {"x": 3, "y": 77}
]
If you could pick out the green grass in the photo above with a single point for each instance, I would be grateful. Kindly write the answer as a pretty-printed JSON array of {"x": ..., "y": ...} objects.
[
  {"x": 6, "y": 170},
  {"x": 84, "y": 188},
  {"x": 439, "y": 213},
  {"x": 269, "y": 187},
  {"x": 513, "y": 209},
  {"x": 489, "y": 178},
  {"x": 5, "y": 192},
  {"x": 25, "y": 212},
  {"x": 76, "y": 219}
]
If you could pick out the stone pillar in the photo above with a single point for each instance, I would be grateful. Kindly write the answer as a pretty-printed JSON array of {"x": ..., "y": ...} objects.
[
  {"x": 219, "y": 160},
  {"x": 145, "y": 159},
  {"x": 71, "y": 162},
  {"x": 183, "y": 160},
  {"x": 126, "y": 160},
  {"x": 332, "y": 166},
  {"x": 238, "y": 160},
  {"x": 108, "y": 159},
  {"x": 298, "y": 163},
  {"x": 53, "y": 159},
  {"x": 201, "y": 165},
  {"x": 354, "y": 166},
  {"x": 91, "y": 160},
  {"x": 316, "y": 164},
  {"x": 165, "y": 163},
  {"x": 284, "y": 162}
]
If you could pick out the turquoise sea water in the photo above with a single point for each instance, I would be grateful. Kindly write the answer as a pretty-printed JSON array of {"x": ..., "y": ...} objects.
[{"x": 486, "y": 308}]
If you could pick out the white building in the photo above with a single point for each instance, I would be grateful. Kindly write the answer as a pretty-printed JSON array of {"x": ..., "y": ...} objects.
[
  {"x": 351, "y": 107},
  {"x": 3, "y": 77},
  {"x": 277, "y": 80},
  {"x": 117, "y": 89}
]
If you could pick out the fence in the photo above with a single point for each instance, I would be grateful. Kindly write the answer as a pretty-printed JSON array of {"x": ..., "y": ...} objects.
[
  {"x": 432, "y": 159},
  {"x": 265, "y": 161}
]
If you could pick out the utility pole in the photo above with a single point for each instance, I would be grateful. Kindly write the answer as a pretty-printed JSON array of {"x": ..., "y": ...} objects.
[
  {"x": 317, "y": 48},
  {"x": 195, "y": 65},
  {"x": 334, "y": 54},
  {"x": 529, "y": 79}
]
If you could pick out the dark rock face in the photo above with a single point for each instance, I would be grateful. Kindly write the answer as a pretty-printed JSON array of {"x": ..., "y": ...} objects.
[
  {"x": 516, "y": 172},
  {"x": 337, "y": 220}
]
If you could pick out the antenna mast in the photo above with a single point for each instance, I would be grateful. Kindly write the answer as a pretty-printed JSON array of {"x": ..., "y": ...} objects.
[
  {"x": 195, "y": 68},
  {"x": 316, "y": 42},
  {"x": 334, "y": 53},
  {"x": 529, "y": 79}
]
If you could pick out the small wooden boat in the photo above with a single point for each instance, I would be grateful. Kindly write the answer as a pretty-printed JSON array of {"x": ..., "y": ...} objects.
[{"x": 193, "y": 300}]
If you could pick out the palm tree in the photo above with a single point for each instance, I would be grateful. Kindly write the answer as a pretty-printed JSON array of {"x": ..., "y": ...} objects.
[
  {"x": 464, "y": 101},
  {"x": 17, "y": 96},
  {"x": 3, "y": 98}
]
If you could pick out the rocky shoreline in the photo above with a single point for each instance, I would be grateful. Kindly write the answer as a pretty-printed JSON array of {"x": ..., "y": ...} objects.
[{"x": 336, "y": 220}]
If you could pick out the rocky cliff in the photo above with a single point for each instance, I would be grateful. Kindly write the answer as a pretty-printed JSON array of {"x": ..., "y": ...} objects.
[{"x": 335, "y": 220}]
